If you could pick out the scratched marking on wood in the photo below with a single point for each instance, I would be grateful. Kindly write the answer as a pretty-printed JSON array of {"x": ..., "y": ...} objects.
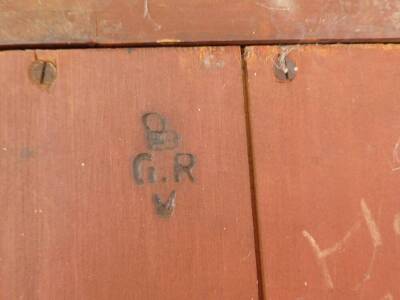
[
  {"x": 158, "y": 21},
  {"x": 326, "y": 164},
  {"x": 74, "y": 221}
]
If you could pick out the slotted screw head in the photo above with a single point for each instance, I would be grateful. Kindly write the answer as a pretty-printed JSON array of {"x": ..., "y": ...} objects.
[
  {"x": 285, "y": 69},
  {"x": 43, "y": 73}
]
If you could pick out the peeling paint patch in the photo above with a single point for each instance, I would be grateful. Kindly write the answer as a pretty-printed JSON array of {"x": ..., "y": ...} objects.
[
  {"x": 249, "y": 53},
  {"x": 168, "y": 41},
  {"x": 282, "y": 5},
  {"x": 109, "y": 27},
  {"x": 396, "y": 224},
  {"x": 388, "y": 297},
  {"x": 27, "y": 153},
  {"x": 210, "y": 60},
  {"x": 395, "y": 18}
]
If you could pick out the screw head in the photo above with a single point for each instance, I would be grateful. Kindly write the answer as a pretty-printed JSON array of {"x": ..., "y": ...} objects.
[
  {"x": 43, "y": 73},
  {"x": 285, "y": 69}
]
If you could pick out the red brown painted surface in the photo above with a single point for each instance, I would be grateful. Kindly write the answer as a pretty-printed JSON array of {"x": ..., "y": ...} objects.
[
  {"x": 74, "y": 224},
  {"x": 158, "y": 21},
  {"x": 326, "y": 156}
]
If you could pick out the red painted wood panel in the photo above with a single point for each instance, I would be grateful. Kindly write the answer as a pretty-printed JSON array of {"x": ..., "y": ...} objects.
[
  {"x": 32, "y": 22},
  {"x": 126, "y": 177},
  {"x": 326, "y": 156}
]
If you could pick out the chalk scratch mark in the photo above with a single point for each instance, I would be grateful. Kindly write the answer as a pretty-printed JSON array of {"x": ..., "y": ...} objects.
[
  {"x": 322, "y": 262},
  {"x": 396, "y": 156},
  {"x": 146, "y": 15},
  {"x": 146, "y": 9},
  {"x": 322, "y": 255},
  {"x": 376, "y": 242},
  {"x": 339, "y": 245},
  {"x": 371, "y": 224}
]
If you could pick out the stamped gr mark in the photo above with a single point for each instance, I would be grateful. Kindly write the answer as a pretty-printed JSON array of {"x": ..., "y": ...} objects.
[
  {"x": 161, "y": 138},
  {"x": 142, "y": 165},
  {"x": 165, "y": 209}
]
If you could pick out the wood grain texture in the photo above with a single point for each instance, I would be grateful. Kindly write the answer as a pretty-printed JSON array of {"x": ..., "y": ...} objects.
[
  {"x": 326, "y": 155},
  {"x": 74, "y": 224},
  {"x": 32, "y": 22}
]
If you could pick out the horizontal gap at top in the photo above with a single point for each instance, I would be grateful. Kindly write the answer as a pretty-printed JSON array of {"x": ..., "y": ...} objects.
[{"x": 60, "y": 46}]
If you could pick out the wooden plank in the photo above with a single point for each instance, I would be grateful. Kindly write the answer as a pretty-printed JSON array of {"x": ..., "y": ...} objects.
[
  {"x": 76, "y": 222},
  {"x": 32, "y": 22},
  {"x": 326, "y": 153}
]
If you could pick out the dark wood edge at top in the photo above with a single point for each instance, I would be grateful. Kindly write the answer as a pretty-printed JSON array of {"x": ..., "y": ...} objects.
[{"x": 114, "y": 23}]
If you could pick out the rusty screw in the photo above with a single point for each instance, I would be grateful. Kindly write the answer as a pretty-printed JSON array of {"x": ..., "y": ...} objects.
[
  {"x": 285, "y": 69},
  {"x": 43, "y": 72}
]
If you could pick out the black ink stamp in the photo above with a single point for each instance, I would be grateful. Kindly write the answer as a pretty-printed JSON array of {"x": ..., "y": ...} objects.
[
  {"x": 158, "y": 136},
  {"x": 184, "y": 164},
  {"x": 165, "y": 209},
  {"x": 138, "y": 168}
]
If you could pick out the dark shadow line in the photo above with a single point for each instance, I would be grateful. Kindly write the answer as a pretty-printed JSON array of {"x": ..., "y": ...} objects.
[{"x": 250, "y": 153}]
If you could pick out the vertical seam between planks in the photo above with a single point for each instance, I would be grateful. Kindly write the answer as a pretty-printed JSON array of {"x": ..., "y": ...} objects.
[{"x": 250, "y": 155}]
